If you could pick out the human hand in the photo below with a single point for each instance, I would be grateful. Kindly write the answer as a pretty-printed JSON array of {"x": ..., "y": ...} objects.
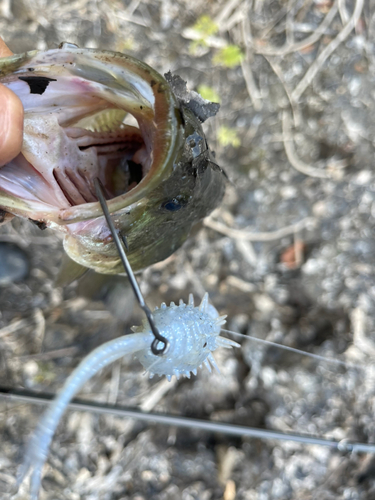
[{"x": 11, "y": 119}]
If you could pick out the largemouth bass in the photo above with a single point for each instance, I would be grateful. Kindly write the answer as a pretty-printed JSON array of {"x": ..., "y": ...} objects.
[{"x": 98, "y": 114}]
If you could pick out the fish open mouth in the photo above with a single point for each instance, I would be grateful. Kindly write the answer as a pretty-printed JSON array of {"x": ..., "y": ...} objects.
[{"x": 82, "y": 122}]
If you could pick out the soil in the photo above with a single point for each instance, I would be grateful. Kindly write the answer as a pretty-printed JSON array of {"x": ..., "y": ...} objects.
[{"x": 298, "y": 270}]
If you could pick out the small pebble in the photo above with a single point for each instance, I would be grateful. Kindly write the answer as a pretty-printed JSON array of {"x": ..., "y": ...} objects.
[
  {"x": 14, "y": 263},
  {"x": 30, "y": 368}
]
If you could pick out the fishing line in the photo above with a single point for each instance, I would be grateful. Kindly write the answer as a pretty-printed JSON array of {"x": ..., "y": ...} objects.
[
  {"x": 297, "y": 351},
  {"x": 187, "y": 422}
]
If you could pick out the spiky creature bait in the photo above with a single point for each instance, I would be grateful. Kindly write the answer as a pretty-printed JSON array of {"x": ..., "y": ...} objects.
[{"x": 193, "y": 334}]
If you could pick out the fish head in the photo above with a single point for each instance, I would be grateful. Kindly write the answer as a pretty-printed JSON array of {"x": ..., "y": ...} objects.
[{"x": 93, "y": 114}]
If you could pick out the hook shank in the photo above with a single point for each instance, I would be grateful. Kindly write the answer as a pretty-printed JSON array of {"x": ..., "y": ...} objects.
[{"x": 129, "y": 271}]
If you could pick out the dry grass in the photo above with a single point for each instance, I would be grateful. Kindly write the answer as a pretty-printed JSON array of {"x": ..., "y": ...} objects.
[{"x": 311, "y": 63}]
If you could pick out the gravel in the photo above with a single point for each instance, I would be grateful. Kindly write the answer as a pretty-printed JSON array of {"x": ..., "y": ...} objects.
[{"x": 311, "y": 287}]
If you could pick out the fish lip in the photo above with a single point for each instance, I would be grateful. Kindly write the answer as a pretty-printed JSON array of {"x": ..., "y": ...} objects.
[{"x": 168, "y": 133}]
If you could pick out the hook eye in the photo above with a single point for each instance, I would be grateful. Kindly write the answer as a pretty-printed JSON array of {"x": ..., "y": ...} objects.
[{"x": 159, "y": 351}]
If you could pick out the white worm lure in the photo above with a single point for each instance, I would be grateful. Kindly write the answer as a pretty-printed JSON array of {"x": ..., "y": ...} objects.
[{"x": 192, "y": 332}]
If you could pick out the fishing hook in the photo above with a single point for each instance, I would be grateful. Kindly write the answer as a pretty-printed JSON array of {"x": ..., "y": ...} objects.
[{"x": 158, "y": 351}]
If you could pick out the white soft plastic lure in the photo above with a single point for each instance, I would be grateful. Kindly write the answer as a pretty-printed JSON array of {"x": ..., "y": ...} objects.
[{"x": 192, "y": 332}]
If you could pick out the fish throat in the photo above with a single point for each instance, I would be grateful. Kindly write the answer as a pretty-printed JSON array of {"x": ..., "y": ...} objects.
[{"x": 104, "y": 146}]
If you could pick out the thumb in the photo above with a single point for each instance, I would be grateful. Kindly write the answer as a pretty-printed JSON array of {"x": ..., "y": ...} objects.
[{"x": 11, "y": 125}]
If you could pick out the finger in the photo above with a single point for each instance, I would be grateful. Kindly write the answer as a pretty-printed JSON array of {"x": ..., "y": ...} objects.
[
  {"x": 11, "y": 125},
  {"x": 4, "y": 51}
]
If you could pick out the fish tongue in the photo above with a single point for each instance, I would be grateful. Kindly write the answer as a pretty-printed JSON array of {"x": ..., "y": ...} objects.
[{"x": 20, "y": 179}]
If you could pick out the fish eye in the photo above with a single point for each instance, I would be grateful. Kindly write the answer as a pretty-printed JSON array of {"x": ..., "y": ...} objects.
[
  {"x": 172, "y": 205},
  {"x": 205, "y": 344}
]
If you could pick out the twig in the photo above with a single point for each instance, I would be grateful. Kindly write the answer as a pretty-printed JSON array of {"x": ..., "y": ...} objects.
[
  {"x": 194, "y": 279},
  {"x": 331, "y": 47},
  {"x": 301, "y": 14},
  {"x": 360, "y": 340},
  {"x": 291, "y": 153},
  {"x": 240, "y": 234},
  {"x": 298, "y": 250},
  {"x": 258, "y": 5},
  {"x": 295, "y": 47},
  {"x": 223, "y": 15},
  {"x": 234, "y": 19},
  {"x": 68, "y": 7},
  {"x": 290, "y": 22},
  {"x": 132, "y": 19},
  {"x": 44, "y": 356},
  {"x": 13, "y": 327},
  {"x": 40, "y": 325},
  {"x": 344, "y": 14},
  {"x": 211, "y": 41},
  {"x": 150, "y": 400},
  {"x": 271, "y": 25},
  {"x": 251, "y": 86},
  {"x": 247, "y": 251},
  {"x": 115, "y": 383},
  {"x": 278, "y": 72},
  {"x": 133, "y": 6},
  {"x": 156, "y": 394},
  {"x": 242, "y": 285}
]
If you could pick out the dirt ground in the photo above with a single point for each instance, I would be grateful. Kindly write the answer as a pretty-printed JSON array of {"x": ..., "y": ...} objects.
[{"x": 289, "y": 256}]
